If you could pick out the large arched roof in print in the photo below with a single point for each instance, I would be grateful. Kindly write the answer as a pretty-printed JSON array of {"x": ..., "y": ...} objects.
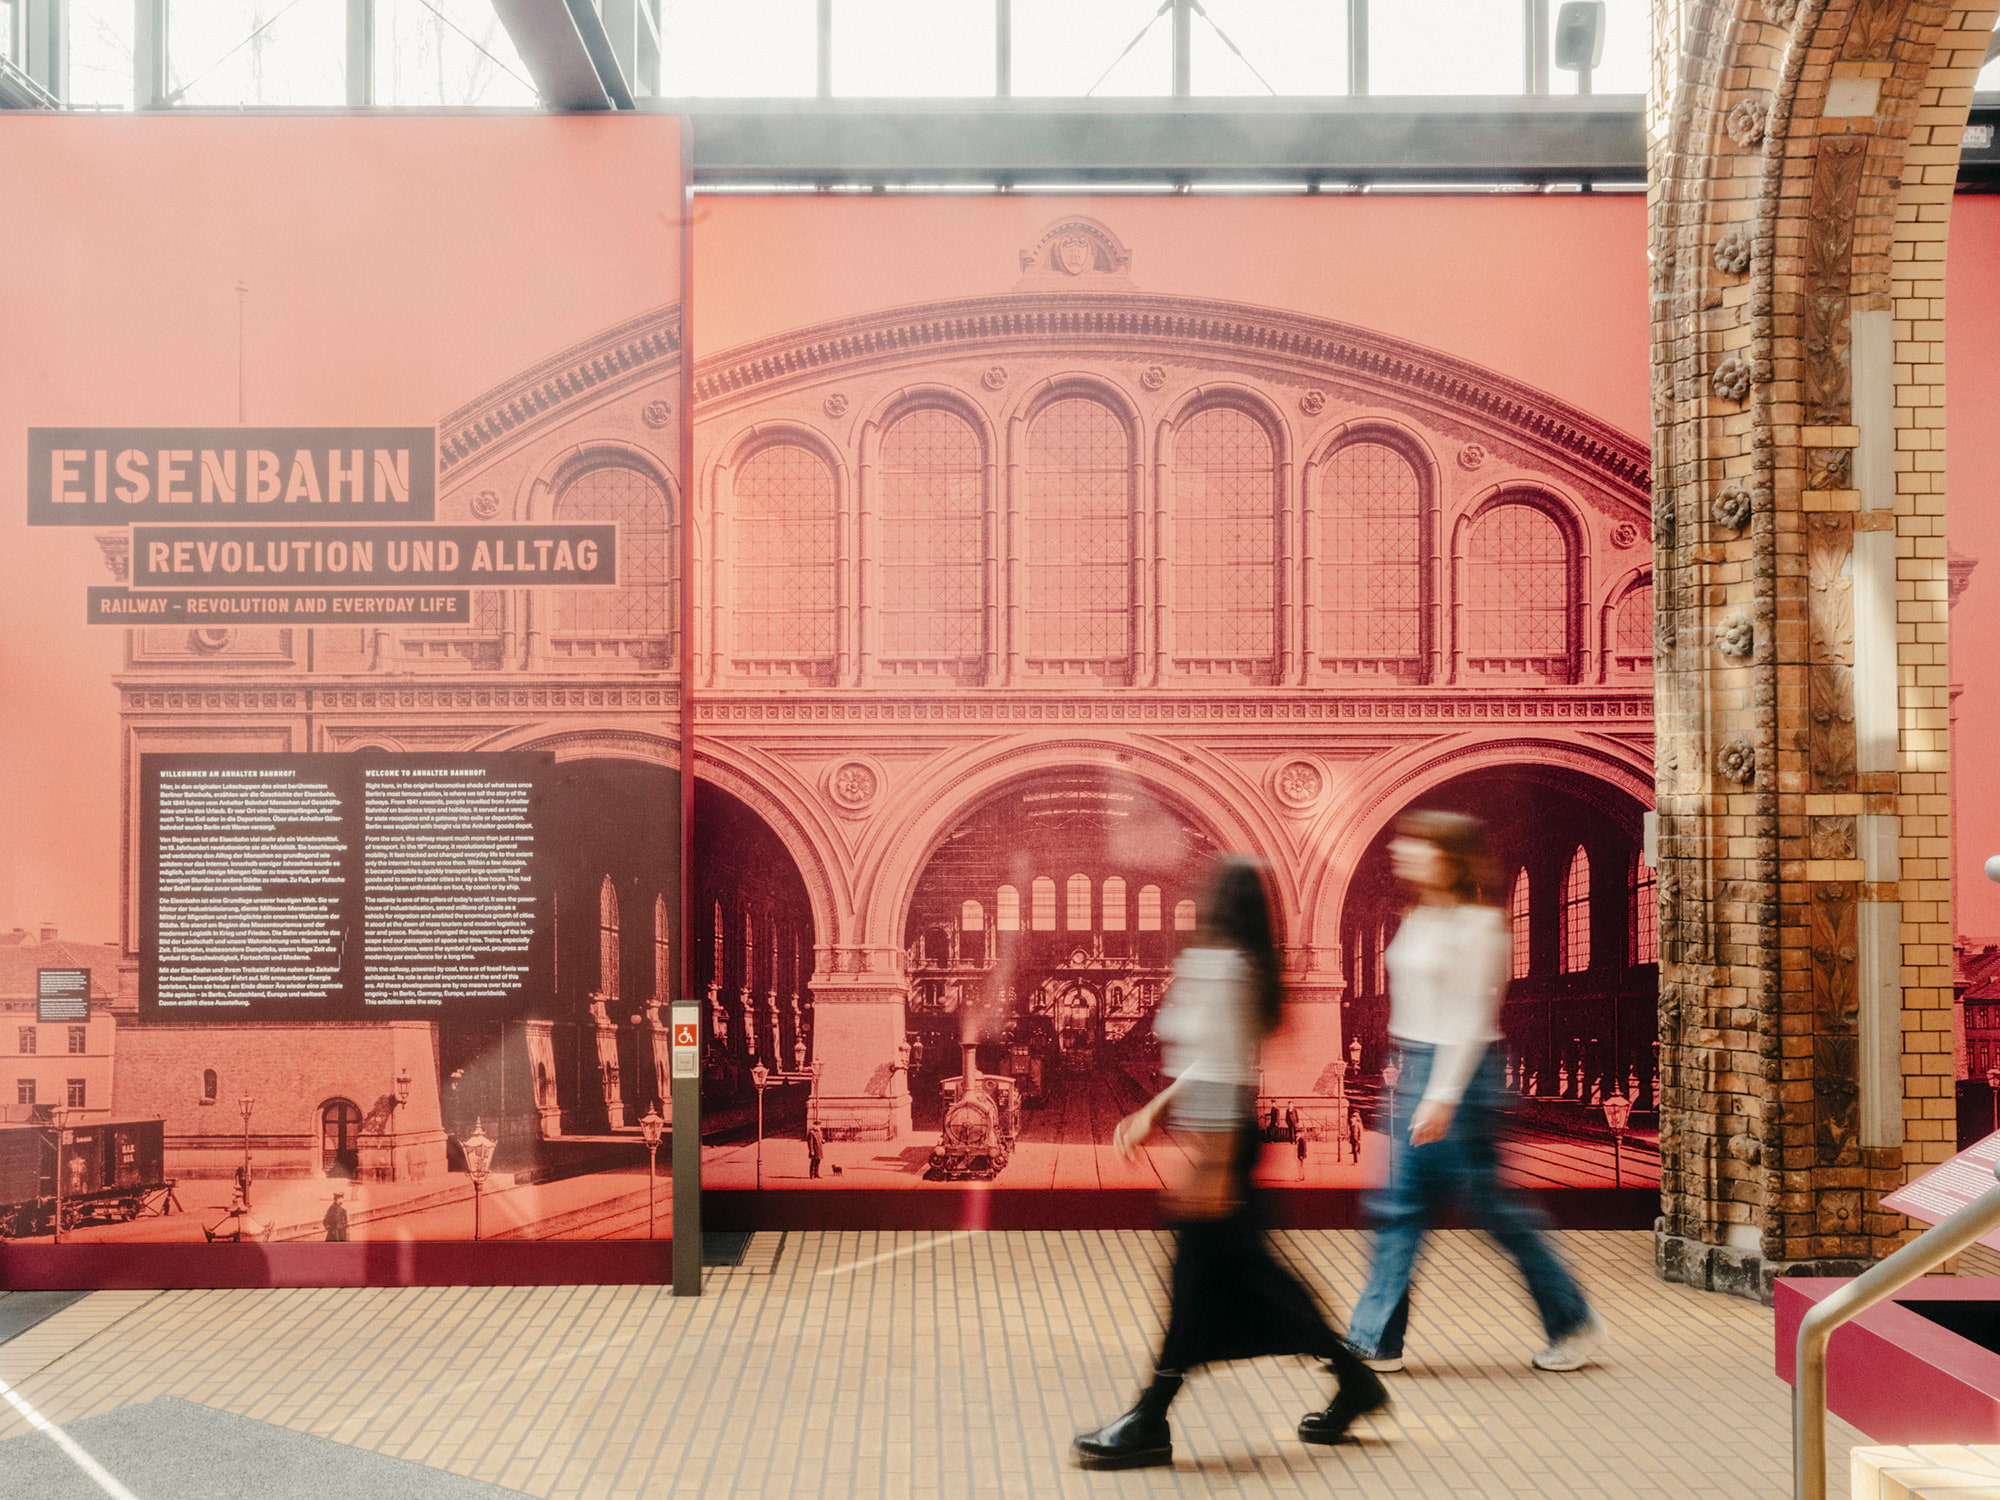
[
  {"x": 1290, "y": 349},
  {"x": 1272, "y": 345},
  {"x": 641, "y": 352}
]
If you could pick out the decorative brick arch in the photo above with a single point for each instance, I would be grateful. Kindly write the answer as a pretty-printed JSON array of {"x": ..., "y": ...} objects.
[{"x": 1803, "y": 162}]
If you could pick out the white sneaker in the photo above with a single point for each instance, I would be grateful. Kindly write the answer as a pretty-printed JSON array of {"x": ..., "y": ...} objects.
[
  {"x": 1380, "y": 1366},
  {"x": 1573, "y": 1350}
]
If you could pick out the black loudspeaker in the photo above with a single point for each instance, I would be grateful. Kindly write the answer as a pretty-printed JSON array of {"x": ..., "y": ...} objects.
[{"x": 1579, "y": 35}]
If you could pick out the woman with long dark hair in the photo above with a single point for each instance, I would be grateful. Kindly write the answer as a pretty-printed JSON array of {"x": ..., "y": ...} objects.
[
  {"x": 1447, "y": 971},
  {"x": 1229, "y": 1297}
]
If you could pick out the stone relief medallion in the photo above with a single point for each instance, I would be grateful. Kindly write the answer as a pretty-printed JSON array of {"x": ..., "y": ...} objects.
[
  {"x": 486, "y": 505},
  {"x": 1471, "y": 456},
  {"x": 656, "y": 413},
  {"x": 1152, "y": 377},
  {"x": 994, "y": 378},
  {"x": 1731, "y": 380},
  {"x": 1624, "y": 536},
  {"x": 1074, "y": 255},
  {"x": 834, "y": 405},
  {"x": 211, "y": 641},
  {"x": 853, "y": 784},
  {"x": 1298, "y": 783},
  {"x": 1748, "y": 121},
  {"x": 1312, "y": 403},
  {"x": 1732, "y": 507},
  {"x": 1737, "y": 760},
  {"x": 1736, "y": 636},
  {"x": 1732, "y": 251}
]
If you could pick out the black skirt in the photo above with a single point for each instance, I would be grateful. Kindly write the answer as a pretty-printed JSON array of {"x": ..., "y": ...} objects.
[{"x": 1230, "y": 1297}]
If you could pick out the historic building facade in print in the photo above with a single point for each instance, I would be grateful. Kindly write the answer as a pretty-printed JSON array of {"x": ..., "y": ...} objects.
[
  {"x": 983, "y": 583},
  {"x": 589, "y": 675},
  {"x": 1008, "y": 612}
]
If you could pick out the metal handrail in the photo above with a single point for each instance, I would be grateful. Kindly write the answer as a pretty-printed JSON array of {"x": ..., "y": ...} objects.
[{"x": 1922, "y": 1255}]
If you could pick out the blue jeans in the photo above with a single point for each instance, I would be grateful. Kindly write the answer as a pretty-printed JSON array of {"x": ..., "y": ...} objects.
[{"x": 1424, "y": 1179}]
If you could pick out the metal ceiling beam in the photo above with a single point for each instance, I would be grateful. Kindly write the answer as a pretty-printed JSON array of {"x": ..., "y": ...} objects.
[
  {"x": 1330, "y": 141},
  {"x": 569, "y": 55}
]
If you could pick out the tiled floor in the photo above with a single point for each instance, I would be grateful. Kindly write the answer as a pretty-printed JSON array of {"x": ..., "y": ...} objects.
[{"x": 893, "y": 1364}]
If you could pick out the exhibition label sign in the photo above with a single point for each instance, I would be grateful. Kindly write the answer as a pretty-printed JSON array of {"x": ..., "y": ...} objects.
[
  {"x": 62, "y": 995},
  {"x": 333, "y": 887}
]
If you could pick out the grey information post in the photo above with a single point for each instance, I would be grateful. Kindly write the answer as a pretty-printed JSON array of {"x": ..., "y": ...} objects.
[{"x": 687, "y": 1149}]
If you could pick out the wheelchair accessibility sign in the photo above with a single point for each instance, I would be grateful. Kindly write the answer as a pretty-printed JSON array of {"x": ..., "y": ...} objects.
[{"x": 687, "y": 1041}]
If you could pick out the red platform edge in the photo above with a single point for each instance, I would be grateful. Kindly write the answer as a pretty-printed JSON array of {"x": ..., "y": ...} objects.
[
  {"x": 1894, "y": 1373},
  {"x": 1107, "y": 1208},
  {"x": 374, "y": 1263},
  {"x": 124, "y": 1265}
]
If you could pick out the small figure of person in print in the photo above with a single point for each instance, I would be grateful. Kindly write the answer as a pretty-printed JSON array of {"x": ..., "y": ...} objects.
[
  {"x": 1448, "y": 968},
  {"x": 815, "y": 1150},
  {"x": 1229, "y": 1297},
  {"x": 336, "y": 1221}
]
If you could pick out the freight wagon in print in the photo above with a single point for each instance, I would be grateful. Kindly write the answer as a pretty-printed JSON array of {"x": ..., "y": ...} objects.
[{"x": 110, "y": 1173}]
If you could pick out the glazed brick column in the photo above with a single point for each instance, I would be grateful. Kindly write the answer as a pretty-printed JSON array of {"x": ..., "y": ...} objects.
[{"x": 1803, "y": 157}]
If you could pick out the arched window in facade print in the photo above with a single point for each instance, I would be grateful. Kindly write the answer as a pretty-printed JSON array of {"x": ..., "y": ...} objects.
[
  {"x": 1575, "y": 914},
  {"x": 1369, "y": 619},
  {"x": 932, "y": 563},
  {"x": 785, "y": 529},
  {"x": 1076, "y": 894},
  {"x": 1042, "y": 912},
  {"x": 1520, "y": 900},
  {"x": 1149, "y": 908},
  {"x": 1114, "y": 903},
  {"x": 1007, "y": 909},
  {"x": 1078, "y": 544},
  {"x": 639, "y": 619},
  {"x": 971, "y": 917},
  {"x": 663, "y": 969},
  {"x": 1183, "y": 916},
  {"x": 1225, "y": 546},
  {"x": 210, "y": 1086},
  {"x": 1517, "y": 594},
  {"x": 1632, "y": 631},
  {"x": 1645, "y": 912},
  {"x": 608, "y": 953},
  {"x": 340, "y": 1138}
]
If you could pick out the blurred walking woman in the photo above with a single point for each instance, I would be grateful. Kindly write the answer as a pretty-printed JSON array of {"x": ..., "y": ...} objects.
[
  {"x": 1447, "y": 969},
  {"x": 1230, "y": 1299}
]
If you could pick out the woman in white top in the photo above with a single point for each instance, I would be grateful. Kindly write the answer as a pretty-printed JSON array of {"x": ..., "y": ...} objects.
[
  {"x": 1447, "y": 972},
  {"x": 1230, "y": 1299}
]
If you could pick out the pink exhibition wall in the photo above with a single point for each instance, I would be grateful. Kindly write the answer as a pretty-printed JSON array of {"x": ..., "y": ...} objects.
[{"x": 1046, "y": 546}]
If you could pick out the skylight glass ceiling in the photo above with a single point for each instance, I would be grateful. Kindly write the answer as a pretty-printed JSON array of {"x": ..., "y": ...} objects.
[{"x": 457, "y": 54}]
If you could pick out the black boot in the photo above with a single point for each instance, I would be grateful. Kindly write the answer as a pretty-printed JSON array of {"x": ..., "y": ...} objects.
[
  {"x": 1140, "y": 1439},
  {"x": 1360, "y": 1394}
]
